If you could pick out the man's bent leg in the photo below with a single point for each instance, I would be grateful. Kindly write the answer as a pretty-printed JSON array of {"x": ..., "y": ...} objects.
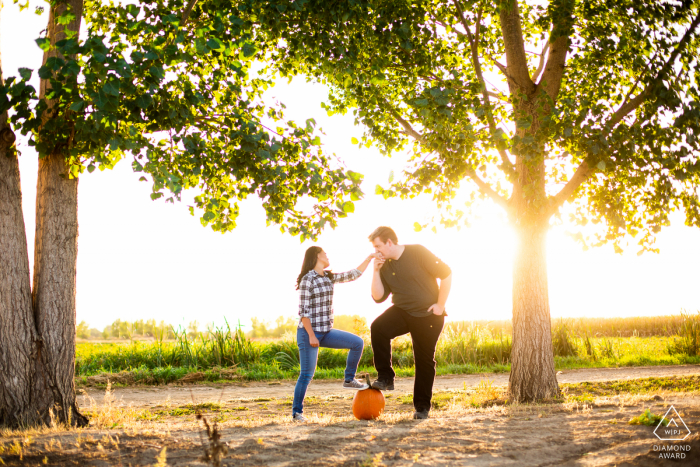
[
  {"x": 388, "y": 325},
  {"x": 425, "y": 333}
]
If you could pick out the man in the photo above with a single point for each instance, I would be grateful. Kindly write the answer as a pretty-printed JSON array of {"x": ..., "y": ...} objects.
[{"x": 409, "y": 273}]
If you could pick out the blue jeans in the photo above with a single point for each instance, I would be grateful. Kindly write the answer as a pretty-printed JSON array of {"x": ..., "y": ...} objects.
[{"x": 333, "y": 339}]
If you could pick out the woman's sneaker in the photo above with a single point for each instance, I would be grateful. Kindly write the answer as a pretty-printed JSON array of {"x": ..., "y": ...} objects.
[
  {"x": 297, "y": 417},
  {"x": 355, "y": 384}
]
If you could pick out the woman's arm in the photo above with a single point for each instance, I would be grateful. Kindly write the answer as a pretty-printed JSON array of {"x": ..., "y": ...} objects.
[
  {"x": 312, "y": 336},
  {"x": 363, "y": 265},
  {"x": 304, "y": 313},
  {"x": 348, "y": 276}
]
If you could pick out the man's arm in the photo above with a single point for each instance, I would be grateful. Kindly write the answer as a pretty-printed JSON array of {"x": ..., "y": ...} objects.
[
  {"x": 377, "y": 286},
  {"x": 445, "y": 286}
]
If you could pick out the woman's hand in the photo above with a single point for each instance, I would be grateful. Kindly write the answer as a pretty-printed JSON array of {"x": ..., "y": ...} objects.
[
  {"x": 368, "y": 260},
  {"x": 378, "y": 261},
  {"x": 313, "y": 342}
]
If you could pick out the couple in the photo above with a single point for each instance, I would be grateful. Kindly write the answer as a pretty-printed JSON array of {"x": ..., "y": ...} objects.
[{"x": 407, "y": 272}]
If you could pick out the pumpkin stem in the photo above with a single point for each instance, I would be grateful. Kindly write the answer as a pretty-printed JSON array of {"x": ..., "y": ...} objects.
[{"x": 369, "y": 383}]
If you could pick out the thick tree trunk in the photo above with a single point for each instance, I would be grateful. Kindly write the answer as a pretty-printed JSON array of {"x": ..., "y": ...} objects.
[
  {"x": 55, "y": 257},
  {"x": 18, "y": 337},
  {"x": 532, "y": 375}
]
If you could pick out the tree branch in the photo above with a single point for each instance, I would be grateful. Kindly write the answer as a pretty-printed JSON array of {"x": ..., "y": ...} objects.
[
  {"x": 540, "y": 67},
  {"x": 187, "y": 12},
  {"x": 486, "y": 188},
  {"x": 512, "y": 33},
  {"x": 580, "y": 176},
  {"x": 509, "y": 169},
  {"x": 408, "y": 129},
  {"x": 585, "y": 169},
  {"x": 483, "y": 186},
  {"x": 631, "y": 105},
  {"x": 497, "y": 96}
]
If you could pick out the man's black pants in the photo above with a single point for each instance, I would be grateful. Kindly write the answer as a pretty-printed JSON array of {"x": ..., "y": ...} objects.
[{"x": 425, "y": 332}]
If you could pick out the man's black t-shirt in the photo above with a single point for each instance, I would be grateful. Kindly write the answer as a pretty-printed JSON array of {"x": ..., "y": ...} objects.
[{"x": 412, "y": 280}]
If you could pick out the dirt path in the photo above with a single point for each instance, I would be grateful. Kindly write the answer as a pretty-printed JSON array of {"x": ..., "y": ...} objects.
[
  {"x": 148, "y": 396},
  {"x": 155, "y": 425}
]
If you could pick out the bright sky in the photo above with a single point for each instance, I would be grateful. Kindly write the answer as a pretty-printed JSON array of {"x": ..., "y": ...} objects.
[{"x": 142, "y": 259}]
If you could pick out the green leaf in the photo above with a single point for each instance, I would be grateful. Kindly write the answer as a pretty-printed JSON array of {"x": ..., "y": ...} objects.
[
  {"x": 215, "y": 44},
  {"x": 111, "y": 88},
  {"x": 25, "y": 73},
  {"x": 417, "y": 227},
  {"x": 391, "y": 176},
  {"x": 44, "y": 43},
  {"x": 354, "y": 176},
  {"x": 144, "y": 101},
  {"x": 77, "y": 106},
  {"x": 378, "y": 190},
  {"x": 248, "y": 50},
  {"x": 65, "y": 18},
  {"x": 348, "y": 206},
  {"x": 354, "y": 140},
  {"x": 601, "y": 165}
]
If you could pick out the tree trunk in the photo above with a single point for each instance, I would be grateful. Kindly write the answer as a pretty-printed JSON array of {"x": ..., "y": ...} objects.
[
  {"x": 532, "y": 375},
  {"x": 55, "y": 256},
  {"x": 18, "y": 337}
]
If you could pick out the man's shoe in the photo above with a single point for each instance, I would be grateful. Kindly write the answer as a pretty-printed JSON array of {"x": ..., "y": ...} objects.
[
  {"x": 299, "y": 418},
  {"x": 355, "y": 384},
  {"x": 383, "y": 385},
  {"x": 420, "y": 415}
]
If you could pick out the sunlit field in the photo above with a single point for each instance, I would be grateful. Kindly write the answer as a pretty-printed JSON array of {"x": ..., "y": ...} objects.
[{"x": 222, "y": 354}]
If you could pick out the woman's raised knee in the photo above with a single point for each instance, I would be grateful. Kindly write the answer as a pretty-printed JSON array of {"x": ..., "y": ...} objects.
[{"x": 358, "y": 344}]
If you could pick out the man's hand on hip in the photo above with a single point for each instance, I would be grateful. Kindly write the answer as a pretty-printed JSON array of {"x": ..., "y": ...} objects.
[{"x": 437, "y": 309}]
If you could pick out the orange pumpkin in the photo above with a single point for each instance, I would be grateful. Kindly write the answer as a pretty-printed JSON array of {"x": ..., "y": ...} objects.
[{"x": 368, "y": 404}]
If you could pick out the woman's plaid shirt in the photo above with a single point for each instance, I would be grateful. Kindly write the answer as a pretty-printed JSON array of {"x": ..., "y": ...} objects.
[{"x": 316, "y": 297}]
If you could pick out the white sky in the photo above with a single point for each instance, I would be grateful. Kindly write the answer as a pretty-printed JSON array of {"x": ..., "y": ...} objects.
[{"x": 142, "y": 259}]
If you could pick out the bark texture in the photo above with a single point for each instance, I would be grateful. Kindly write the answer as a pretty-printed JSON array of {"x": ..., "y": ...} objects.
[
  {"x": 55, "y": 256},
  {"x": 18, "y": 338},
  {"x": 532, "y": 375}
]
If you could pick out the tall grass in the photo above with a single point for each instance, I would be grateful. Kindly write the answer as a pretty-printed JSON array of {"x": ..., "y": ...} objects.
[
  {"x": 463, "y": 347},
  {"x": 640, "y": 326},
  {"x": 688, "y": 332}
]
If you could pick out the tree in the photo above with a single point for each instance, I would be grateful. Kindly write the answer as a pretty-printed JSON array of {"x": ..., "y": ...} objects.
[
  {"x": 169, "y": 83},
  {"x": 597, "y": 121}
]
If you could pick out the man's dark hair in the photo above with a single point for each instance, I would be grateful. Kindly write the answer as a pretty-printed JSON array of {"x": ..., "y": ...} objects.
[{"x": 384, "y": 234}]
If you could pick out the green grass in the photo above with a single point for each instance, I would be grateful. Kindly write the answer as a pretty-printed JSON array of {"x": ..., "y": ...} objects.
[{"x": 464, "y": 348}]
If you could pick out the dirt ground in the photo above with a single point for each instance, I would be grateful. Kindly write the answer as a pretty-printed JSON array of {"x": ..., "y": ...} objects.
[
  {"x": 151, "y": 395},
  {"x": 159, "y": 426}
]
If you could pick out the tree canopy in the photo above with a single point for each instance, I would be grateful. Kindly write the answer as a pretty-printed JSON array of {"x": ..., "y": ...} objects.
[
  {"x": 537, "y": 103},
  {"x": 175, "y": 84}
]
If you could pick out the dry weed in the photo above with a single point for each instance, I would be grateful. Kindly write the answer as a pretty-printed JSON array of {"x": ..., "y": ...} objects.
[
  {"x": 216, "y": 450},
  {"x": 110, "y": 414},
  {"x": 161, "y": 459}
]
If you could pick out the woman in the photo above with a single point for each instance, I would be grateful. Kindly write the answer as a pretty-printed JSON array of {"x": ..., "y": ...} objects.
[{"x": 315, "y": 286}]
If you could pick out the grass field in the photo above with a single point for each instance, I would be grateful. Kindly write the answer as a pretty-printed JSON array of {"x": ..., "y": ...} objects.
[{"x": 464, "y": 348}]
